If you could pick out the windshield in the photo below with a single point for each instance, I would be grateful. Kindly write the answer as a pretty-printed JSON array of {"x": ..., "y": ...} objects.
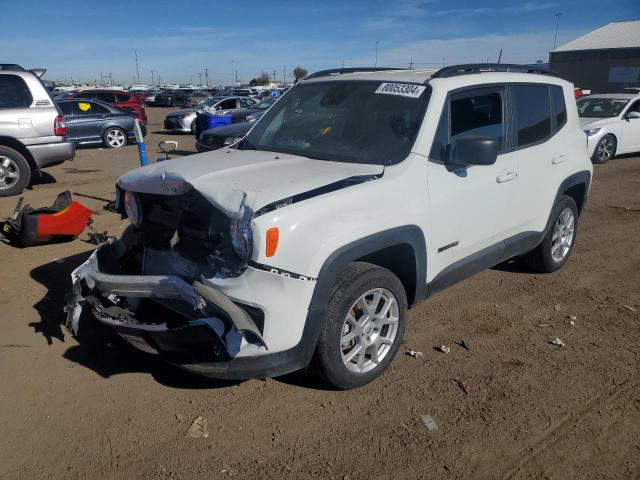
[
  {"x": 209, "y": 102},
  {"x": 350, "y": 121},
  {"x": 264, "y": 104},
  {"x": 594, "y": 107}
]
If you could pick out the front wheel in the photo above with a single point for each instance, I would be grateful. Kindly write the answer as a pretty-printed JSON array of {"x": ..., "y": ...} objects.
[
  {"x": 15, "y": 172},
  {"x": 556, "y": 246},
  {"x": 365, "y": 324},
  {"x": 605, "y": 150},
  {"x": 115, "y": 138}
]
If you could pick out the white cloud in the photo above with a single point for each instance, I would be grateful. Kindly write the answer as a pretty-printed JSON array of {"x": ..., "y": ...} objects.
[{"x": 517, "y": 48}]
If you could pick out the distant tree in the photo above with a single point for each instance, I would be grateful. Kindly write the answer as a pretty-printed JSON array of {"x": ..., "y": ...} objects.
[
  {"x": 299, "y": 73},
  {"x": 263, "y": 79}
]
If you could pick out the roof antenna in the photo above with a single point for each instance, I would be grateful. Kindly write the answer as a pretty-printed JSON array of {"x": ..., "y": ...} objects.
[{"x": 500, "y": 56}]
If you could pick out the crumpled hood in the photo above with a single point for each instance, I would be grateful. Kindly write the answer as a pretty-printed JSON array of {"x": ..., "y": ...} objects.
[
  {"x": 231, "y": 178},
  {"x": 594, "y": 122}
]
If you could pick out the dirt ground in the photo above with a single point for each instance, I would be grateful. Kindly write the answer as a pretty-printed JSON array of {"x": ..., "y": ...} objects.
[{"x": 95, "y": 408}]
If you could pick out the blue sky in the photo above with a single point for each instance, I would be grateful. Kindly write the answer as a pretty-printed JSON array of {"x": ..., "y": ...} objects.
[{"x": 179, "y": 39}]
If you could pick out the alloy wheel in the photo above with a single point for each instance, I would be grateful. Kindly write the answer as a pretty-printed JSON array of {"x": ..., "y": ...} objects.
[
  {"x": 9, "y": 172},
  {"x": 563, "y": 232},
  {"x": 116, "y": 138},
  {"x": 369, "y": 330},
  {"x": 605, "y": 149}
]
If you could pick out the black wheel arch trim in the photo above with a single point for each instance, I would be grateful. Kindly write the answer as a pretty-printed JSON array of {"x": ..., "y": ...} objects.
[{"x": 410, "y": 235}]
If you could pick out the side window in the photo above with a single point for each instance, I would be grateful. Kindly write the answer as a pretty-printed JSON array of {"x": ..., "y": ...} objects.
[
  {"x": 635, "y": 107},
  {"x": 99, "y": 109},
  {"x": 122, "y": 97},
  {"x": 245, "y": 103},
  {"x": 559, "y": 107},
  {"x": 88, "y": 95},
  {"x": 84, "y": 108},
  {"x": 67, "y": 108},
  {"x": 477, "y": 114},
  {"x": 14, "y": 92},
  {"x": 533, "y": 113},
  {"x": 105, "y": 97}
]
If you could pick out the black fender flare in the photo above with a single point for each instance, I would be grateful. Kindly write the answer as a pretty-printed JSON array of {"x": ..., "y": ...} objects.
[
  {"x": 411, "y": 235},
  {"x": 579, "y": 178}
]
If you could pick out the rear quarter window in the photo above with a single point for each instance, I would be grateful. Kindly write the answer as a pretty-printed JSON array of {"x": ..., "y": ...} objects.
[
  {"x": 559, "y": 107},
  {"x": 14, "y": 92}
]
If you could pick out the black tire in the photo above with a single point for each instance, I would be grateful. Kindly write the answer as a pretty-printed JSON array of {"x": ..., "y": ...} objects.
[
  {"x": 541, "y": 259},
  {"x": 194, "y": 126},
  {"x": 13, "y": 163},
  {"x": 605, "y": 150},
  {"x": 115, "y": 130},
  {"x": 353, "y": 282}
]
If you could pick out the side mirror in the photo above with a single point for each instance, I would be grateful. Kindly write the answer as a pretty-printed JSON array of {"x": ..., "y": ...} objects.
[
  {"x": 474, "y": 150},
  {"x": 634, "y": 114}
]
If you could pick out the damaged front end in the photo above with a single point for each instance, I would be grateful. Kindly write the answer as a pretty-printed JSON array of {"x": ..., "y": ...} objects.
[{"x": 151, "y": 285}]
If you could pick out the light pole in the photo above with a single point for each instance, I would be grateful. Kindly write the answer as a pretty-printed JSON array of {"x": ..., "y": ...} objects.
[
  {"x": 376, "y": 64},
  {"x": 152, "y": 82},
  {"x": 137, "y": 67},
  {"x": 555, "y": 38}
]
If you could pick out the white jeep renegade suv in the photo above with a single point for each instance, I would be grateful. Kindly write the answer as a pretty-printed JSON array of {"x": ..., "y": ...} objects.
[{"x": 358, "y": 195}]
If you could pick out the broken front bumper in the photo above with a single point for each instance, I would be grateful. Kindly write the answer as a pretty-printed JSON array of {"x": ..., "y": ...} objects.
[{"x": 191, "y": 325}]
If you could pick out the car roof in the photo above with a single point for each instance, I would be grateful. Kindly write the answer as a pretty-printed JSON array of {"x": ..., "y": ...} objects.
[
  {"x": 102, "y": 90},
  {"x": 89, "y": 100},
  {"x": 619, "y": 96},
  {"x": 410, "y": 76}
]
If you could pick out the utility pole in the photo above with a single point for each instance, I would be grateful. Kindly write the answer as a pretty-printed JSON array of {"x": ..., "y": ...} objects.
[
  {"x": 137, "y": 66},
  {"x": 206, "y": 76},
  {"x": 284, "y": 75},
  {"x": 152, "y": 82},
  {"x": 500, "y": 56},
  {"x": 555, "y": 38},
  {"x": 376, "y": 64},
  {"x": 411, "y": 64},
  {"x": 200, "y": 77},
  {"x": 236, "y": 77}
]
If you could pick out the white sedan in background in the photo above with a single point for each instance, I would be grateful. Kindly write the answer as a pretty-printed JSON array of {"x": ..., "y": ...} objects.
[{"x": 612, "y": 124}]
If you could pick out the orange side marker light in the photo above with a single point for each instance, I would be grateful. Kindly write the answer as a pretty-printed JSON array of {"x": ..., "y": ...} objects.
[{"x": 273, "y": 235}]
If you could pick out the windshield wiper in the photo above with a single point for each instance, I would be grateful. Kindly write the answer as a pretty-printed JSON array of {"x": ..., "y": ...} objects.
[{"x": 246, "y": 145}]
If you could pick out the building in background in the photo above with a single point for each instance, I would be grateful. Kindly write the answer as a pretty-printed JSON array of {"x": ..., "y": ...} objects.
[{"x": 605, "y": 60}]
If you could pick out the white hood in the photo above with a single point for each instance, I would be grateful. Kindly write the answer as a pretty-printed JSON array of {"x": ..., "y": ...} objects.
[
  {"x": 231, "y": 178},
  {"x": 594, "y": 122}
]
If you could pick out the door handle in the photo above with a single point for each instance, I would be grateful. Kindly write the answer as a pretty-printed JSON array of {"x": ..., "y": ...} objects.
[
  {"x": 506, "y": 177},
  {"x": 559, "y": 160}
]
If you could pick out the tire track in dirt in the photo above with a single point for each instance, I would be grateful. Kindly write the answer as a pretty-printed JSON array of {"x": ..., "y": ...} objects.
[{"x": 555, "y": 434}]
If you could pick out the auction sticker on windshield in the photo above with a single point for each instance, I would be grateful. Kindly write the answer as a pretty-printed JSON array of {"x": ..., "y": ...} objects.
[{"x": 402, "y": 89}]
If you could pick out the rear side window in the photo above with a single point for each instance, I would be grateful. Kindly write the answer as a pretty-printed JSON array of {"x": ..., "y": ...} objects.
[
  {"x": 559, "y": 107},
  {"x": 533, "y": 113},
  {"x": 123, "y": 97},
  {"x": 14, "y": 92}
]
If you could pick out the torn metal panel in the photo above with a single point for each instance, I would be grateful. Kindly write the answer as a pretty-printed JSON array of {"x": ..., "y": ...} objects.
[{"x": 115, "y": 301}]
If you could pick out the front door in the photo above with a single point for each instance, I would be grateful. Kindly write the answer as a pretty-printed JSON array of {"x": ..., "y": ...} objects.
[
  {"x": 467, "y": 206},
  {"x": 630, "y": 131}
]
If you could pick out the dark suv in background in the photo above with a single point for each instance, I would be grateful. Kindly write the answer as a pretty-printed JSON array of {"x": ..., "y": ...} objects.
[{"x": 171, "y": 98}]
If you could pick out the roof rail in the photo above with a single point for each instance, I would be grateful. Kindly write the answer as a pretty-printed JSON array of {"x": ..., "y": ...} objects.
[
  {"x": 454, "y": 70},
  {"x": 11, "y": 66},
  {"x": 340, "y": 71}
]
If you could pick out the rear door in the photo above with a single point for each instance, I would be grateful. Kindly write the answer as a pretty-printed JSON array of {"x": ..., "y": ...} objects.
[
  {"x": 88, "y": 121},
  {"x": 538, "y": 144}
]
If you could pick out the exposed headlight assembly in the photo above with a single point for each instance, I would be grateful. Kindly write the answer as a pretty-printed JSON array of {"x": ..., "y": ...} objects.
[
  {"x": 241, "y": 235},
  {"x": 132, "y": 208},
  {"x": 592, "y": 131}
]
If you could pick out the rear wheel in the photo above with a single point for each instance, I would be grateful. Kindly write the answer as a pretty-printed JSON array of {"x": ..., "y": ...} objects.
[
  {"x": 364, "y": 326},
  {"x": 605, "y": 150},
  {"x": 554, "y": 250},
  {"x": 15, "y": 172},
  {"x": 115, "y": 137}
]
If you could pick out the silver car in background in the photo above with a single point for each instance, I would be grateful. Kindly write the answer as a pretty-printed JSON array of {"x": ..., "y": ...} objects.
[
  {"x": 184, "y": 120},
  {"x": 33, "y": 133}
]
